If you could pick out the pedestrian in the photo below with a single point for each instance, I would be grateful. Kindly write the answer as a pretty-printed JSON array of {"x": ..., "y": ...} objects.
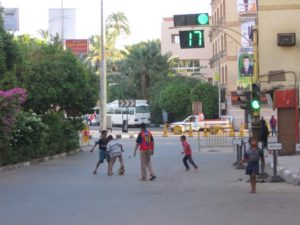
[
  {"x": 115, "y": 150},
  {"x": 263, "y": 133},
  {"x": 145, "y": 143},
  {"x": 273, "y": 125},
  {"x": 102, "y": 142},
  {"x": 252, "y": 156},
  {"x": 187, "y": 151}
]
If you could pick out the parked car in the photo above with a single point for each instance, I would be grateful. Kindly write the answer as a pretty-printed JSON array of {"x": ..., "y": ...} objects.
[{"x": 199, "y": 124}]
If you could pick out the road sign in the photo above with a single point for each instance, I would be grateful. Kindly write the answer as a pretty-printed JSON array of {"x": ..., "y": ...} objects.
[
  {"x": 237, "y": 141},
  {"x": 127, "y": 103},
  {"x": 274, "y": 146},
  {"x": 297, "y": 147}
]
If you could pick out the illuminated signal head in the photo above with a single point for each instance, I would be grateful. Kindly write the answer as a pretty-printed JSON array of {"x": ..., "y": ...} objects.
[{"x": 203, "y": 19}]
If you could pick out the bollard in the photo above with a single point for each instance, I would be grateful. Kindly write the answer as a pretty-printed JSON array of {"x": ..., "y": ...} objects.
[
  {"x": 241, "y": 132},
  {"x": 205, "y": 132},
  {"x": 275, "y": 177},
  {"x": 231, "y": 131},
  {"x": 198, "y": 140},
  {"x": 240, "y": 155},
  {"x": 190, "y": 131},
  {"x": 237, "y": 143},
  {"x": 165, "y": 131}
]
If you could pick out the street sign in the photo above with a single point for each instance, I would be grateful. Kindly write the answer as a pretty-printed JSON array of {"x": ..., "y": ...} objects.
[
  {"x": 274, "y": 146},
  {"x": 237, "y": 141},
  {"x": 127, "y": 103},
  {"x": 297, "y": 147}
]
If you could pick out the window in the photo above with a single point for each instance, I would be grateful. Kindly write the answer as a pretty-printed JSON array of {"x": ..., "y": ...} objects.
[
  {"x": 175, "y": 39},
  {"x": 110, "y": 111},
  {"x": 142, "y": 109},
  {"x": 117, "y": 111}
]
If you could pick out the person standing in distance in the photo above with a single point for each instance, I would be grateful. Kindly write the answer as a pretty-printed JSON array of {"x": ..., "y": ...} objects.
[
  {"x": 145, "y": 143},
  {"x": 273, "y": 125}
]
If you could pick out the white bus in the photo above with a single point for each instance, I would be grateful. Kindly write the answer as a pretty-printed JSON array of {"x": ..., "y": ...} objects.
[{"x": 134, "y": 115}]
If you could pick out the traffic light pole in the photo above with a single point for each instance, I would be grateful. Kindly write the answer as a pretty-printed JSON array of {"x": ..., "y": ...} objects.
[{"x": 255, "y": 120}]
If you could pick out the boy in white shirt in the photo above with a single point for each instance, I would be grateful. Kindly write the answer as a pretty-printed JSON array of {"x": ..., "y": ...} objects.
[{"x": 115, "y": 150}]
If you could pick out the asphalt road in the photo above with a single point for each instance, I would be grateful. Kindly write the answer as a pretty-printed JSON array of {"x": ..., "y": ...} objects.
[{"x": 65, "y": 192}]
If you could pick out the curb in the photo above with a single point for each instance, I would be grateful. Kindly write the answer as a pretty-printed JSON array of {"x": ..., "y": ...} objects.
[
  {"x": 38, "y": 161},
  {"x": 288, "y": 176}
]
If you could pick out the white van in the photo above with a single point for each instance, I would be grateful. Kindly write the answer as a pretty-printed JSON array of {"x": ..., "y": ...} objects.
[{"x": 135, "y": 116}]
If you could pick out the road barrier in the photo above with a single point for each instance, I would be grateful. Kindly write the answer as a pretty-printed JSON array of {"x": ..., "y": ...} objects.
[{"x": 215, "y": 136}]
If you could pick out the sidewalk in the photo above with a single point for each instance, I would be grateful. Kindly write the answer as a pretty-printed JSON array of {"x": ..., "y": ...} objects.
[{"x": 288, "y": 168}]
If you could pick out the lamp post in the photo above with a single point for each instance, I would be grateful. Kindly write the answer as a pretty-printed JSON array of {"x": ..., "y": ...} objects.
[{"x": 102, "y": 95}]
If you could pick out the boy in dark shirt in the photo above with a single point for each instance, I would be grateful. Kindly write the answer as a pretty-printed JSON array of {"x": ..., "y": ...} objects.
[
  {"x": 252, "y": 156},
  {"x": 102, "y": 142}
]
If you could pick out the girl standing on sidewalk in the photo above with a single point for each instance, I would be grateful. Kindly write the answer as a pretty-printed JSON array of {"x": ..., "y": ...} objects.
[
  {"x": 252, "y": 156},
  {"x": 187, "y": 151}
]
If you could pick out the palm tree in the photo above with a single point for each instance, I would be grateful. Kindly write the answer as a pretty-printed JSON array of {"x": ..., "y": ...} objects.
[
  {"x": 146, "y": 64},
  {"x": 44, "y": 34},
  {"x": 116, "y": 25}
]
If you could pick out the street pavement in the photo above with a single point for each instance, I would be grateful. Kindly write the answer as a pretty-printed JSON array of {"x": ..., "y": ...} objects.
[
  {"x": 288, "y": 167},
  {"x": 64, "y": 191}
]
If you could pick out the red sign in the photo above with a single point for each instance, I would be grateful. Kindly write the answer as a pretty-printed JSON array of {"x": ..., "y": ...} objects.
[{"x": 78, "y": 46}]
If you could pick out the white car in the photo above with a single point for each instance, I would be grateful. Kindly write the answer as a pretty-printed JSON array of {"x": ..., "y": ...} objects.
[{"x": 198, "y": 125}]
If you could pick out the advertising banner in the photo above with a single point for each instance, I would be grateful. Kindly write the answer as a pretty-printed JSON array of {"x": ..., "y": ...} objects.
[
  {"x": 245, "y": 68},
  {"x": 77, "y": 46},
  {"x": 246, "y": 6},
  {"x": 247, "y": 32},
  {"x": 11, "y": 19}
]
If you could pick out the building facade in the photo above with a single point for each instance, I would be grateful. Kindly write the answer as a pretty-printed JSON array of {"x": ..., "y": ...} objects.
[
  {"x": 225, "y": 36},
  {"x": 279, "y": 59},
  {"x": 192, "y": 61}
]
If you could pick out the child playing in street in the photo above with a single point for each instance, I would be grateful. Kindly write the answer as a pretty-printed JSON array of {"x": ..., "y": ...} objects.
[
  {"x": 252, "y": 156},
  {"x": 187, "y": 151},
  {"x": 102, "y": 142},
  {"x": 115, "y": 150}
]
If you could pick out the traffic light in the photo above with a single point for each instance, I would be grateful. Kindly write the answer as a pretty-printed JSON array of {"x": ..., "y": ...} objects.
[
  {"x": 245, "y": 100},
  {"x": 191, "y": 39},
  {"x": 191, "y": 19},
  {"x": 255, "y": 101}
]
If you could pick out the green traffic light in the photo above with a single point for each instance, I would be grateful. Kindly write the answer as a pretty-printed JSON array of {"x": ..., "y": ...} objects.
[
  {"x": 203, "y": 19},
  {"x": 255, "y": 104}
]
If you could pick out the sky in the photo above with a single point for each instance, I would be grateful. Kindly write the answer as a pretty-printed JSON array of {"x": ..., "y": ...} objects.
[{"x": 145, "y": 16}]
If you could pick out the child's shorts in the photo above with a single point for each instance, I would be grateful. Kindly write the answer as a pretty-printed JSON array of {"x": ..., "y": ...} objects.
[{"x": 103, "y": 155}]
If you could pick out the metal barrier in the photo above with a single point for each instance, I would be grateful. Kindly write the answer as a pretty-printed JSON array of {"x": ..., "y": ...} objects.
[{"x": 215, "y": 136}]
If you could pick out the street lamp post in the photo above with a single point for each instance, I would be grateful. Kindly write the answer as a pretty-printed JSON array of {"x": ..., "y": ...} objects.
[{"x": 102, "y": 95}]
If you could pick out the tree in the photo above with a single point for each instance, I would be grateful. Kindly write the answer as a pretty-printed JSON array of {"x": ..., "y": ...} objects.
[
  {"x": 57, "y": 81},
  {"x": 208, "y": 95},
  {"x": 146, "y": 65},
  {"x": 175, "y": 98},
  {"x": 44, "y": 34},
  {"x": 116, "y": 25}
]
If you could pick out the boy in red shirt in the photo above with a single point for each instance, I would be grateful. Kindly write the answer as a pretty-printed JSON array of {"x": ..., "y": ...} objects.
[{"x": 187, "y": 151}]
